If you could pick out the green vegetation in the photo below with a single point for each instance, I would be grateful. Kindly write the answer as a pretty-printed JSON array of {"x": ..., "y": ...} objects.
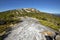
[
  {"x": 1, "y": 38},
  {"x": 6, "y": 19},
  {"x": 11, "y": 17}
]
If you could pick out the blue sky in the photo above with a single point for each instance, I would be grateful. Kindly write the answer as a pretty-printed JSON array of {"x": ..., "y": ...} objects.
[{"x": 50, "y": 6}]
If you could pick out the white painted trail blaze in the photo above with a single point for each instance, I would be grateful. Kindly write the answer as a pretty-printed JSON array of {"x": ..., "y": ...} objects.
[{"x": 29, "y": 29}]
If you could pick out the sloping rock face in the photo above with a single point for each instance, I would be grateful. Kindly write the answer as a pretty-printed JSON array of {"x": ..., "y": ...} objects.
[{"x": 30, "y": 29}]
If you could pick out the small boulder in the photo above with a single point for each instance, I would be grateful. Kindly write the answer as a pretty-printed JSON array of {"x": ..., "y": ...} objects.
[{"x": 58, "y": 37}]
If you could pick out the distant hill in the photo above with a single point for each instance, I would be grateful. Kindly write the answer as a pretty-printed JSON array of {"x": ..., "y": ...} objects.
[
  {"x": 11, "y": 17},
  {"x": 57, "y": 15}
]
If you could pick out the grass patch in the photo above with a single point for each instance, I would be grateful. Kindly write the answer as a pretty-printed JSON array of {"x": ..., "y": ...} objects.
[{"x": 49, "y": 24}]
